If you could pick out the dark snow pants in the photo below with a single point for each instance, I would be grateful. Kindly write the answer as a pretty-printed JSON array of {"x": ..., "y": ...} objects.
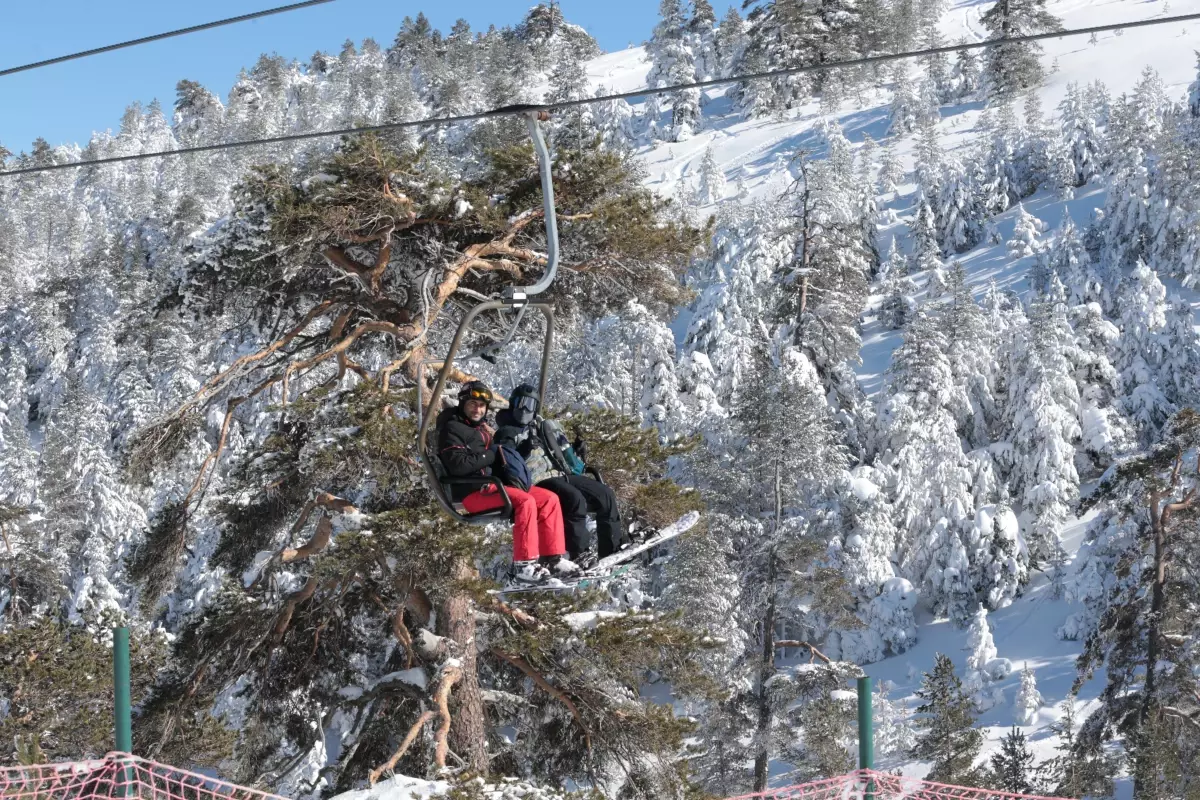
[{"x": 578, "y": 495}]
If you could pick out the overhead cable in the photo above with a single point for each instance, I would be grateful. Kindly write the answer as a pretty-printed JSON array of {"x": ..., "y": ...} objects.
[
  {"x": 641, "y": 92},
  {"x": 159, "y": 36}
]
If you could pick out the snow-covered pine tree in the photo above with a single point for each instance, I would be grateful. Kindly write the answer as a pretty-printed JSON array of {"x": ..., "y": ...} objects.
[
  {"x": 701, "y": 35},
  {"x": 967, "y": 74},
  {"x": 995, "y": 161},
  {"x": 1105, "y": 433},
  {"x": 730, "y": 41},
  {"x": 1013, "y": 67},
  {"x": 927, "y": 251},
  {"x": 702, "y": 586},
  {"x": 1028, "y": 699},
  {"x": 959, "y": 217},
  {"x": 919, "y": 440},
  {"x": 898, "y": 305},
  {"x": 1180, "y": 370},
  {"x": 860, "y": 547},
  {"x": 894, "y": 734},
  {"x": 1026, "y": 237},
  {"x": 946, "y": 730},
  {"x": 867, "y": 188},
  {"x": 91, "y": 517},
  {"x": 1067, "y": 259},
  {"x": 18, "y": 459},
  {"x": 825, "y": 750},
  {"x": 998, "y": 554},
  {"x": 1194, "y": 91},
  {"x": 935, "y": 65},
  {"x": 625, "y": 362},
  {"x": 970, "y": 349},
  {"x": 569, "y": 81},
  {"x": 712, "y": 179},
  {"x": 1044, "y": 423},
  {"x": 905, "y": 108},
  {"x": 983, "y": 669},
  {"x": 827, "y": 282},
  {"x": 1136, "y": 122},
  {"x": 1081, "y": 134},
  {"x": 673, "y": 62},
  {"x": 891, "y": 174},
  {"x": 738, "y": 282},
  {"x": 1138, "y": 354},
  {"x": 1013, "y": 764}
]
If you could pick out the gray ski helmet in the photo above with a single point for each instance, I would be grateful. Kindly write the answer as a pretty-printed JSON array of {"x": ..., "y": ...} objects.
[{"x": 523, "y": 404}]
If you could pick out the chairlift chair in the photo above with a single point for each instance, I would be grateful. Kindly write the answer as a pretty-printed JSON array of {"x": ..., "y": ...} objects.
[{"x": 511, "y": 299}]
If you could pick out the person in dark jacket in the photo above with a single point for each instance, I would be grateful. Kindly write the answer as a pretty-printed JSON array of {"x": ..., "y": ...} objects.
[
  {"x": 466, "y": 447},
  {"x": 578, "y": 494}
]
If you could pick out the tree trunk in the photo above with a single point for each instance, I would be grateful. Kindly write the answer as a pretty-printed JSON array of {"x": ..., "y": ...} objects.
[
  {"x": 468, "y": 731},
  {"x": 763, "y": 759},
  {"x": 768, "y": 670},
  {"x": 1158, "y": 597}
]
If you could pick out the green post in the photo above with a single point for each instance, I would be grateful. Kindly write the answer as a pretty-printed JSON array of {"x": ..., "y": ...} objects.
[
  {"x": 121, "y": 693},
  {"x": 866, "y": 734}
]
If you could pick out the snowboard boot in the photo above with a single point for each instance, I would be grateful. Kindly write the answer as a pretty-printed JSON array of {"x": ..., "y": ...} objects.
[
  {"x": 527, "y": 573},
  {"x": 563, "y": 568},
  {"x": 586, "y": 560}
]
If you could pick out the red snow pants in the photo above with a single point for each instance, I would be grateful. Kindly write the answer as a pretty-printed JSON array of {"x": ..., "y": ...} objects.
[{"x": 537, "y": 519}]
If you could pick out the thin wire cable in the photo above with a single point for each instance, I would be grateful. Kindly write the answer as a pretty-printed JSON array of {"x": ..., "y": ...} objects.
[
  {"x": 642, "y": 92},
  {"x": 159, "y": 36}
]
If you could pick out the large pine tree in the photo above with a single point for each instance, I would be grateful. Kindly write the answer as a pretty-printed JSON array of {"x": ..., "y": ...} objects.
[
  {"x": 946, "y": 733},
  {"x": 1015, "y": 66}
]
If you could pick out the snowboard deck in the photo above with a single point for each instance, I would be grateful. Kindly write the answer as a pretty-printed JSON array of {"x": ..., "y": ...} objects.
[{"x": 608, "y": 567}]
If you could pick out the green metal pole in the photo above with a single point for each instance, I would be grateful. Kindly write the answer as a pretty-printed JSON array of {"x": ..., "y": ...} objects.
[
  {"x": 121, "y": 692},
  {"x": 866, "y": 733},
  {"x": 866, "y": 726}
]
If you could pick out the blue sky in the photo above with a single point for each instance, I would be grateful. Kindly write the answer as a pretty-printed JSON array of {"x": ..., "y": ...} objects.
[{"x": 66, "y": 102}]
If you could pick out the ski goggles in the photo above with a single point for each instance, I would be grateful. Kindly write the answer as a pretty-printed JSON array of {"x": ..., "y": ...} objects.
[
  {"x": 527, "y": 403},
  {"x": 476, "y": 394}
]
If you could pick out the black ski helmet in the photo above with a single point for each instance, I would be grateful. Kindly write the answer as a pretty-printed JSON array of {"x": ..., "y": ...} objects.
[
  {"x": 523, "y": 404},
  {"x": 475, "y": 390}
]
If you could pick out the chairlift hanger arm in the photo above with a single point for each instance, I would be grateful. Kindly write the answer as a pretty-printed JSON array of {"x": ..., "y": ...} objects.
[{"x": 546, "y": 170}]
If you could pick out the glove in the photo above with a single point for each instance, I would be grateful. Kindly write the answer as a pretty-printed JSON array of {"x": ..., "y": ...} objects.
[{"x": 580, "y": 448}]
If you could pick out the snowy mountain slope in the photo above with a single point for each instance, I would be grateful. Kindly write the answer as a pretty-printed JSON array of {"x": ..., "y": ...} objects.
[{"x": 753, "y": 155}]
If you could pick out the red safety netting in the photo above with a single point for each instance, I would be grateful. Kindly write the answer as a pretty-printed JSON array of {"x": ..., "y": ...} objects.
[
  {"x": 869, "y": 785},
  {"x": 118, "y": 776}
]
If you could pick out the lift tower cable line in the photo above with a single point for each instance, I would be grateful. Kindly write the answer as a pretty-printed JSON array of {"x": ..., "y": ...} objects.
[
  {"x": 504, "y": 111},
  {"x": 159, "y": 36}
]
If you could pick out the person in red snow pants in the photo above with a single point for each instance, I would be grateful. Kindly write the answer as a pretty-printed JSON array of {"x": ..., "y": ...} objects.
[
  {"x": 537, "y": 519},
  {"x": 466, "y": 447}
]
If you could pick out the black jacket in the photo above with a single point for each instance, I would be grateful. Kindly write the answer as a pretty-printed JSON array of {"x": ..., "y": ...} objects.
[
  {"x": 544, "y": 462},
  {"x": 464, "y": 448}
]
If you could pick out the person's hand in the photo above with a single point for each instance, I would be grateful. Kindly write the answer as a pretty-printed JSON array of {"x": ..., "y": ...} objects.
[
  {"x": 580, "y": 448},
  {"x": 490, "y": 430}
]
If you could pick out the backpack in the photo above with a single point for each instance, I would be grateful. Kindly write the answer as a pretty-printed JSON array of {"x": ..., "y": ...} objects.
[
  {"x": 511, "y": 469},
  {"x": 561, "y": 450}
]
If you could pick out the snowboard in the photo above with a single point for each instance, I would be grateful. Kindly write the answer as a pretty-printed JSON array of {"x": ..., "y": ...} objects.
[{"x": 611, "y": 566}]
